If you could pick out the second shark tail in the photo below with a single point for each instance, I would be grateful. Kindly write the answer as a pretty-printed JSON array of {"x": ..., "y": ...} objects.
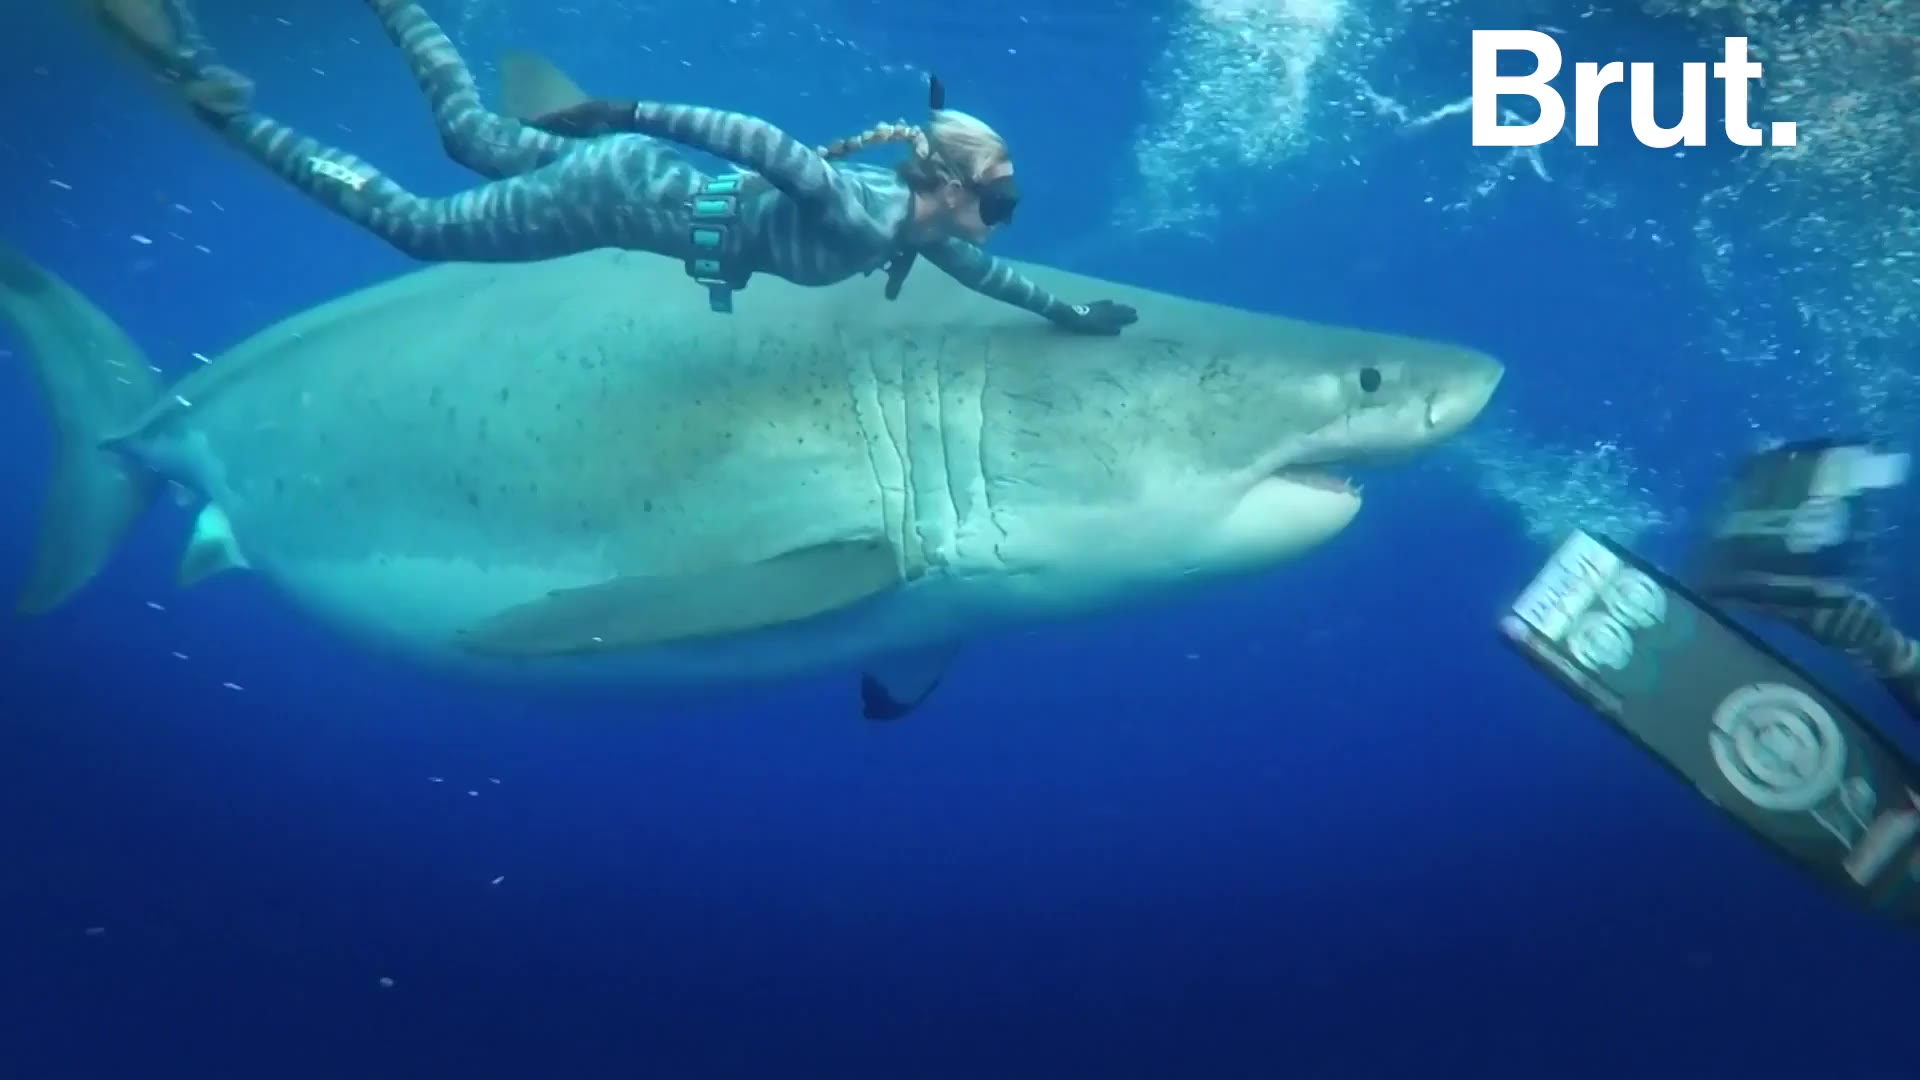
[{"x": 94, "y": 381}]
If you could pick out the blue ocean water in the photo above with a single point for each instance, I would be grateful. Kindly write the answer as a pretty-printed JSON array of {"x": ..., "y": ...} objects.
[{"x": 1319, "y": 824}]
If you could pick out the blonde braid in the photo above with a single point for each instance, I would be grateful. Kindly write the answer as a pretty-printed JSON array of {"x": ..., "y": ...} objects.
[{"x": 879, "y": 135}]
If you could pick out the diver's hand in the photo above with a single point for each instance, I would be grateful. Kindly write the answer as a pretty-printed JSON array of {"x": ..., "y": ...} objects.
[
  {"x": 1101, "y": 317},
  {"x": 1831, "y": 613}
]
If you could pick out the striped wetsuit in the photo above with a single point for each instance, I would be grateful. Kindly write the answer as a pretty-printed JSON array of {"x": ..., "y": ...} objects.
[
  {"x": 800, "y": 216},
  {"x": 1906, "y": 691}
]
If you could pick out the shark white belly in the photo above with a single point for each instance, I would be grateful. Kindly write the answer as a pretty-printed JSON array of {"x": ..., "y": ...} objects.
[{"x": 572, "y": 471}]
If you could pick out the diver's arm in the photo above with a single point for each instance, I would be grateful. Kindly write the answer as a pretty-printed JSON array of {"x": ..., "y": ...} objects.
[
  {"x": 1839, "y": 617},
  {"x": 747, "y": 141},
  {"x": 1896, "y": 661},
  {"x": 1856, "y": 624},
  {"x": 993, "y": 277},
  {"x": 1905, "y": 690}
]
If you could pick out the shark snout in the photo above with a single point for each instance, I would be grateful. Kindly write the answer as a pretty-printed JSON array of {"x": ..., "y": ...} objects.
[{"x": 1456, "y": 404}]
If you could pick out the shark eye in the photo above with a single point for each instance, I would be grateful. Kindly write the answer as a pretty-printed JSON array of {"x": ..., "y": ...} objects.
[{"x": 1369, "y": 379}]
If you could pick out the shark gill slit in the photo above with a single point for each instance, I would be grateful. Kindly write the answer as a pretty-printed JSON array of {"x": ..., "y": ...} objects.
[
  {"x": 956, "y": 486},
  {"x": 980, "y": 447},
  {"x": 920, "y": 387},
  {"x": 900, "y": 432},
  {"x": 961, "y": 423},
  {"x": 869, "y": 410}
]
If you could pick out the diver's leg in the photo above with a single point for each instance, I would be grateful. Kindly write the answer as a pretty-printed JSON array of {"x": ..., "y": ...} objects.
[
  {"x": 166, "y": 37},
  {"x": 190, "y": 44},
  {"x": 515, "y": 220},
  {"x": 618, "y": 192},
  {"x": 486, "y": 142},
  {"x": 575, "y": 204}
]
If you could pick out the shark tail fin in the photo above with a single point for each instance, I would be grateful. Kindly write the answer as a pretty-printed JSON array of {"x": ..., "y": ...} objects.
[{"x": 94, "y": 381}]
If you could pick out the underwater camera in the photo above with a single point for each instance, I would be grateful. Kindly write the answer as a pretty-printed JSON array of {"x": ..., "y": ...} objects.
[{"x": 1756, "y": 736}]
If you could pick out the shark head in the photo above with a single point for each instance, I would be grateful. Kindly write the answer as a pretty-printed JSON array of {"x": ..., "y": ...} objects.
[
  {"x": 1281, "y": 453},
  {"x": 1165, "y": 463}
]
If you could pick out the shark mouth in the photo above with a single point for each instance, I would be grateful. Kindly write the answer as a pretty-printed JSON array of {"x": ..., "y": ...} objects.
[{"x": 1317, "y": 479}]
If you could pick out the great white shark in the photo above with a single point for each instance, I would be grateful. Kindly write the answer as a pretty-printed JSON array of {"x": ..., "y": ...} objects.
[{"x": 573, "y": 471}]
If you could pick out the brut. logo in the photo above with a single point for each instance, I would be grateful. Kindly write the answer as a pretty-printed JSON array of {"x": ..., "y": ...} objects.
[{"x": 1590, "y": 80}]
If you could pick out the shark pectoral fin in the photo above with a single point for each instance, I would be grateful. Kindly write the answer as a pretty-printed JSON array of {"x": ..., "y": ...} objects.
[
  {"x": 532, "y": 85},
  {"x": 633, "y": 612},
  {"x": 211, "y": 550},
  {"x": 895, "y": 686}
]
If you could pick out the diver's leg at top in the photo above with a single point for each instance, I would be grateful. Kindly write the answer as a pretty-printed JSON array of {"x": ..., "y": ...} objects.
[
  {"x": 484, "y": 141},
  {"x": 578, "y": 203},
  {"x": 166, "y": 37},
  {"x": 345, "y": 184},
  {"x": 189, "y": 42}
]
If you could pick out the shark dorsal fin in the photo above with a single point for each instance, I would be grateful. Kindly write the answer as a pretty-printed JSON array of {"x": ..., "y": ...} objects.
[{"x": 532, "y": 85}]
